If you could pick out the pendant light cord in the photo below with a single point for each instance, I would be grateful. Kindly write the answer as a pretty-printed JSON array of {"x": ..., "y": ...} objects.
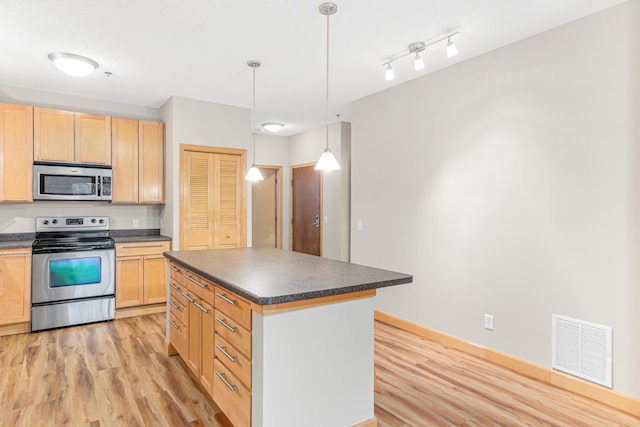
[
  {"x": 326, "y": 112},
  {"x": 253, "y": 118}
]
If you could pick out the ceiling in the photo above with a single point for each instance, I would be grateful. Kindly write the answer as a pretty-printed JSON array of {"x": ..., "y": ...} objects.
[{"x": 198, "y": 49}]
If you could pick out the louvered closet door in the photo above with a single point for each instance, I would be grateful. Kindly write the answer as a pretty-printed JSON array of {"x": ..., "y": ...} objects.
[
  {"x": 198, "y": 200},
  {"x": 227, "y": 201},
  {"x": 212, "y": 207}
]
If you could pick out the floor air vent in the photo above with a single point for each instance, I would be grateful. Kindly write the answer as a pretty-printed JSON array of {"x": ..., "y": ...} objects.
[{"x": 582, "y": 349}]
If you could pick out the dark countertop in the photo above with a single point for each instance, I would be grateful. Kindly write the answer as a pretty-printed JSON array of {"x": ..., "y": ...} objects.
[
  {"x": 16, "y": 240},
  {"x": 272, "y": 276},
  {"x": 138, "y": 235}
]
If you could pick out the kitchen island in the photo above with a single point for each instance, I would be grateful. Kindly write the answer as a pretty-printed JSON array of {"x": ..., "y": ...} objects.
[{"x": 277, "y": 338}]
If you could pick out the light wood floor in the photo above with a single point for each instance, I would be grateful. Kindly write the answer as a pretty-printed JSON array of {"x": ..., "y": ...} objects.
[
  {"x": 422, "y": 383},
  {"x": 117, "y": 374}
]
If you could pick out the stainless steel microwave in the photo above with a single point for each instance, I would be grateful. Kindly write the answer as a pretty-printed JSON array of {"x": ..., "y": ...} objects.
[{"x": 71, "y": 182}]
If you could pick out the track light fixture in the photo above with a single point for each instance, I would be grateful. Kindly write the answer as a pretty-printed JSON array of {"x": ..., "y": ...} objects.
[{"x": 416, "y": 48}]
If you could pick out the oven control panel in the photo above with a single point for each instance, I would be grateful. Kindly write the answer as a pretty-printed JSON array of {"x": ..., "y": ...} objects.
[{"x": 75, "y": 223}]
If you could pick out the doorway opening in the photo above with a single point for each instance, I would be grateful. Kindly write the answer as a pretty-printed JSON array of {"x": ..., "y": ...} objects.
[{"x": 266, "y": 208}]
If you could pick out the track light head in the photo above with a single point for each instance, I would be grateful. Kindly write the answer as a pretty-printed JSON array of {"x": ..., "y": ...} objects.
[
  {"x": 451, "y": 49},
  {"x": 388, "y": 75}
]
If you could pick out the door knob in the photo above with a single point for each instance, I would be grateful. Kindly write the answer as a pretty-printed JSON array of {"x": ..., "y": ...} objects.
[{"x": 316, "y": 222}]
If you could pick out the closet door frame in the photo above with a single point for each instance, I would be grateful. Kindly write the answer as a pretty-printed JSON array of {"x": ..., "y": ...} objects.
[{"x": 242, "y": 208}]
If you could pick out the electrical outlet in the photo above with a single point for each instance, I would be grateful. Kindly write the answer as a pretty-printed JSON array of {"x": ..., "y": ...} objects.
[
  {"x": 136, "y": 223},
  {"x": 488, "y": 322}
]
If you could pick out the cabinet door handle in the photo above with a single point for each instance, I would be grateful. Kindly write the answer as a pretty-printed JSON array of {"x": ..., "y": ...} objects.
[
  {"x": 224, "y": 323},
  {"x": 223, "y": 350},
  {"x": 200, "y": 307},
  {"x": 191, "y": 279},
  {"x": 188, "y": 297},
  {"x": 173, "y": 286},
  {"x": 174, "y": 324},
  {"x": 224, "y": 298},
  {"x": 174, "y": 305},
  {"x": 224, "y": 380}
]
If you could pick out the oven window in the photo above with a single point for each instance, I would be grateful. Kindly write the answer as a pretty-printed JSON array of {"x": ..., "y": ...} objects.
[
  {"x": 74, "y": 271},
  {"x": 71, "y": 185}
]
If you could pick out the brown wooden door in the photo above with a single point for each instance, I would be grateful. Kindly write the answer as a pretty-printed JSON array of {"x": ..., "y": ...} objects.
[
  {"x": 92, "y": 139},
  {"x": 197, "y": 200},
  {"x": 53, "y": 135},
  {"x": 124, "y": 157},
  {"x": 16, "y": 152},
  {"x": 306, "y": 230},
  {"x": 264, "y": 219},
  {"x": 151, "y": 162}
]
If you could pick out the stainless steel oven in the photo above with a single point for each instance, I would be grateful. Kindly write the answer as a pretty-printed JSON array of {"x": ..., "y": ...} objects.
[{"x": 73, "y": 267}]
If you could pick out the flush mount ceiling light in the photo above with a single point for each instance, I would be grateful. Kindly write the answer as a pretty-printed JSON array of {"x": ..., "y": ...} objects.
[
  {"x": 415, "y": 49},
  {"x": 72, "y": 64},
  {"x": 327, "y": 161},
  {"x": 272, "y": 127},
  {"x": 254, "y": 173}
]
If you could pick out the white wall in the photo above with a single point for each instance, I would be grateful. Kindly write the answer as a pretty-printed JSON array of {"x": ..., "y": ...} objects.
[
  {"x": 306, "y": 148},
  {"x": 508, "y": 184},
  {"x": 20, "y": 217}
]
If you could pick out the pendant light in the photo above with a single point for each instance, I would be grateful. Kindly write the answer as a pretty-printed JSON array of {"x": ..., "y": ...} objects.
[
  {"x": 254, "y": 173},
  {"x": 327, "y": 161}
]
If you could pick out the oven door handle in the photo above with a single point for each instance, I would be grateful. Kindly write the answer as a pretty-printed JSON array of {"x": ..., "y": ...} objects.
[{"x": 68, "y": 249}]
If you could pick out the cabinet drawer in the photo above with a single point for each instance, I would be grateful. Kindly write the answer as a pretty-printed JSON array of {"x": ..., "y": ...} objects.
[
  {"x": 239, "y": 365},
  {"x": 199, "y": 286},
  {"x": 231, "y": 396},
  {"x": 233, "y": 333},
  {"x": 178, "y": 335},
  {"x": 177, "y": 308},
  {"x": 233, "y": 306},
  {"x": 176, "y": 272},
  {"x": 141, "y": 248}
]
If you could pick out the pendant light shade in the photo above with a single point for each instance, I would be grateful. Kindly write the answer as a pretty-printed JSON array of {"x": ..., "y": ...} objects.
[
  {"x": 254, "y": 174},
  {"x": 327, "y": 161}
]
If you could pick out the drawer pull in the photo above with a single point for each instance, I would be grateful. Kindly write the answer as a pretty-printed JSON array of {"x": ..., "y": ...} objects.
[
  {"x": 200, "y": 307},
  {"x": 174, "y": 305},
  {"x": 224, "y": 298},
  {"x": 188, "y": 297},
  {"x": 174, "y": 286},
  {"x": 173, "y": 268},
  {"x": 223, "y": 350},
  {"x": 224, "y": 380},
  {"x": 191, "y": 279},
  {"x": 224, "y": 323},
  {"x": 174, "y": 324}
]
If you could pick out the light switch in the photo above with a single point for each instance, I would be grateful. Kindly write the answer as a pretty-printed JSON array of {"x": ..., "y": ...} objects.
[
  {"x": 359, "y": 225},
  {"x": 326, "y": 220}
]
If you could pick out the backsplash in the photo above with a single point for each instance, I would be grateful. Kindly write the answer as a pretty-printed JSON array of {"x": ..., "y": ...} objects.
[{"x": 20, "y": 217}]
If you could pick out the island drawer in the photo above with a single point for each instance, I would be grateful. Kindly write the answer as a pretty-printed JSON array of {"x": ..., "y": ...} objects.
[
  {"x": 233, "y": 333},
  {"x": 141, "y": 248},
  {"x": 176, "y": 273},
  {"x": 233, "y": 306},
  {"x": 231, "y": 396},
  {"x": 178, "y": 335},
  {"x": 199, "y": 286},
  {"x": 239, "y": 365},
  {"x": 177, "y": 308}
]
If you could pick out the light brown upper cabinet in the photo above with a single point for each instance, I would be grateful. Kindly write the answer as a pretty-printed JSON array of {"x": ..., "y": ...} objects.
[
  {"x": 138, "y": 161},
  {"x": 68, "y": 137},
  {"x": 16, "y": 153}
]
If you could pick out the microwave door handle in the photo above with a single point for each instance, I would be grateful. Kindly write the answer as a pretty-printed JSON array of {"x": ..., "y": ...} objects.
[{"x": 99, "y": 181}]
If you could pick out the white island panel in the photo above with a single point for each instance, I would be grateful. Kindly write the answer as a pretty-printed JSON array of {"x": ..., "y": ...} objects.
[{"x": 314, "y": 366}]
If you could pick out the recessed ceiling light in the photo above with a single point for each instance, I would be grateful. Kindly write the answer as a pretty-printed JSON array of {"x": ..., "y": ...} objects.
[
  {"x": 72, "y": 64},
  {"x": 272, "y": 127}
]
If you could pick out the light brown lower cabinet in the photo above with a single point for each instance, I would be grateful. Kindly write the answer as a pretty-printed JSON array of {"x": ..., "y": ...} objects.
[
  {"x": 15, "y": 286},
  {"x": 140, "y": 273},
  {"x": 217, "y": 326}
]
